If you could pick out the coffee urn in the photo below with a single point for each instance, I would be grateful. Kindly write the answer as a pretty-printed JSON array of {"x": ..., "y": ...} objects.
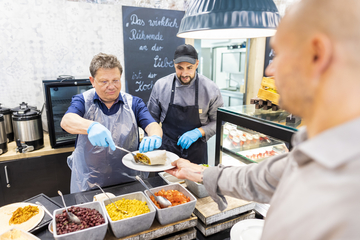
[
  {"x": 8, "y": 123},
  {"x": 28, "y": 131},
  {"x": 3, "y": 138}
]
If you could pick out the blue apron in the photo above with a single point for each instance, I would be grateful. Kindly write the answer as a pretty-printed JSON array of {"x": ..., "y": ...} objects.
[{"x": 92, "y": 164}]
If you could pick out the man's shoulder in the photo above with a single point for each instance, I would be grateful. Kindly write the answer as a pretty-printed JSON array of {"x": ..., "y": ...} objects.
[{"x": 165, "y": 80}]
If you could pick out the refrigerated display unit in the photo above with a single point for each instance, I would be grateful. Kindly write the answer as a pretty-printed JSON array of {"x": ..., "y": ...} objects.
[
  {"x": 58, "y": 95},
  {"x": 251, "y": 135}
]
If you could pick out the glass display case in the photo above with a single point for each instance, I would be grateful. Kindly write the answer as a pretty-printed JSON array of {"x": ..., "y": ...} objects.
[
  {"x": 252, "y": 135},
  {"x": 58, "y": 95}
]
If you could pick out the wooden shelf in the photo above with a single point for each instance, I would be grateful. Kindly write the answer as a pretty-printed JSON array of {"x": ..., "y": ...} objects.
[{"x": 11, "y": 154}]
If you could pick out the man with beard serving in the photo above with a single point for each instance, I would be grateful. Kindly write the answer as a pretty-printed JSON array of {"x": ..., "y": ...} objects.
[{"x": 185, "y": 103}]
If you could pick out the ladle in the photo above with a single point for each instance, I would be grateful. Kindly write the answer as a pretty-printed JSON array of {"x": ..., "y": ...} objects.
[
  {"x": 163, "y": 202},
  {"x": 72, "y": 217}
]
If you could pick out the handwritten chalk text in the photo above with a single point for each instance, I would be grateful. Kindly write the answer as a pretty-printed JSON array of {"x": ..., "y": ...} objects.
[
  {"x": 135, "y": 20},
  {"x": 158, "y": 62},
  {"x": 144, "y": 87},
  {"x": 140, "y": 35},
  {"x": 164, "y": 22}
]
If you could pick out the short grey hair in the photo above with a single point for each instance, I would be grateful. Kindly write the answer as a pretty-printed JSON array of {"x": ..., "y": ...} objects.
[{"x": 103, "y": 60}]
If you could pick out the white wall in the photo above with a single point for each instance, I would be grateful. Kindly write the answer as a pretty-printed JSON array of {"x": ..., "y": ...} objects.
[{"x": 42, "y": 39}]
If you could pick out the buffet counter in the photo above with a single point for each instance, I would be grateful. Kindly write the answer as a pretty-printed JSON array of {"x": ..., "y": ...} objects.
[
  {"x": 83, "y": 197},
  {"x": 11, "y": 154}
]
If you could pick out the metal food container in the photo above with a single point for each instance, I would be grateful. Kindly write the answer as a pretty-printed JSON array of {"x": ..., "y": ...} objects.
[
  {"x": 96, "y": 232},
  {"x": 132, "y": 225},
  {"x": 175, "y": 213},
  {"x": 197, "y": 189}
]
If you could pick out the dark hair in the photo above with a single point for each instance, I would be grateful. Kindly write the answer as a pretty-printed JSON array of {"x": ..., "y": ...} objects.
[{"x": 103, "y": 60}]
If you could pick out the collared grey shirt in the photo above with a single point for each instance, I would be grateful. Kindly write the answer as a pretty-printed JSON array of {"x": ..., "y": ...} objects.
[
  {"x": 209, "y": 100},
  {"x": 313, "y": 191}
]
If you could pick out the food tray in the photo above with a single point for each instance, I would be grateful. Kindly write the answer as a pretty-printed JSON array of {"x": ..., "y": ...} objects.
[
  {"x": 51, "y": 205},
  {"x": 170, "y": 179}
]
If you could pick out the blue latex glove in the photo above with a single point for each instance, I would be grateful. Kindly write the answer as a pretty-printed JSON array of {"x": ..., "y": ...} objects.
[
  {"x": 189, "y": 138},
  {"x": 100, "y": 136},
  {"x": 150, "y": 143}
]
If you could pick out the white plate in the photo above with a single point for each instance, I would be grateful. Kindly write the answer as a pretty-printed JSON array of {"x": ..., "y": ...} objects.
[
  {"x": 249, "y": 229},
  {"x": 129, "y": 162},
  {"x": 7, "y": 211}
]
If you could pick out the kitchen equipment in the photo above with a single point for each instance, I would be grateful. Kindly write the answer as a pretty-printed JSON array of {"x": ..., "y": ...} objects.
[
  {"x": 58, "y": 94},
  {"x": 197, "y": 189},
  {"x": 131, "y": 225},
  {"x": 8, "y": 123},
  {"x": 70, "y": 215},
  {"x": 95, "y": 232},
  {"x": 124, "y": 212},
  {"x": 163, "y": 202},
  {"x": 173, "y": 213},
  {"x": 28, "y": 130},
  {"x": 3, "y": 138}
]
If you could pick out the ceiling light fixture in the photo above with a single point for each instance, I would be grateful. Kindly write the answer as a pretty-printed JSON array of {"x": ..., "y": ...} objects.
[{"x": 229, "y": 19}]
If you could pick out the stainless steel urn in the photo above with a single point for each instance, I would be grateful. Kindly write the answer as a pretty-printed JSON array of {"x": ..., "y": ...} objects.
[
  {"x": 3, "y": 138},
  {"x": 8, "y": 123},
  {"x": 28, "y": 127}
]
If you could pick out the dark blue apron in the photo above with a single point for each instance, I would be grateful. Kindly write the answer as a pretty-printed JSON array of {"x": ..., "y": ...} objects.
[{"x": 178, "y": 121}]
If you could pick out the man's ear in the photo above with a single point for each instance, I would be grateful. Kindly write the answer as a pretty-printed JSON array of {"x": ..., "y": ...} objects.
[
  {"x": 92, "y": 81},
  {"x": 322, "y": 53},
  {"x": 197, "y": 64}
]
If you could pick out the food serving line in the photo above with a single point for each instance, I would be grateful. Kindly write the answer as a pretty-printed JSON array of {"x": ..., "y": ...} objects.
[
  {"x": 185, "y": 228},
  {"x": 176, "y": 222}
]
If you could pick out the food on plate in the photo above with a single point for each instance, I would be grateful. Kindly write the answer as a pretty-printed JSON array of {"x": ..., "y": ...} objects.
[
  {"x": 88, "y": 217},
  {"x": 22, "y": 214},
  {"x": 13, "y": 234},
  {"x": 157, "y": 157},
  {"x": 133, "y": 207},
  {"x": 174, "y": 196}
]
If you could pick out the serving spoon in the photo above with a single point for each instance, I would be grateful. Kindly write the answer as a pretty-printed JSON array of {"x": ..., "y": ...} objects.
[
  {"x": 163, "y": 202},
  {"x": 135, "y": 156},
  {"x": 72, "y": 217},
  {"x": 124, "y": 212}
]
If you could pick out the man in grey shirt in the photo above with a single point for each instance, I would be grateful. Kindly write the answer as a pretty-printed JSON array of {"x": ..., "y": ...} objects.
[
  {"x": 314, "y": 190},
  {"x": 186, "y": 103}
]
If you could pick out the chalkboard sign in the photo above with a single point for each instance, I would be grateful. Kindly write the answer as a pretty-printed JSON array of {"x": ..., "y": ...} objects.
[
  {"x": 149, "y": 45},
  {"x": 269, "y": 54}
]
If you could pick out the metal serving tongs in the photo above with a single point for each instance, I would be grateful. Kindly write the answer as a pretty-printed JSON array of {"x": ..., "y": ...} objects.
[{"x": 138, "y": 158}]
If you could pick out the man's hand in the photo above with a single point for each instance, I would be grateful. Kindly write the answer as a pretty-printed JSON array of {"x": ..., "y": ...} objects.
[
  {"x": 150, "y": 143},
  {"x": 184, "y": 169},
  {"x": 100, "y": 136},
  {"x": 189, "y": 138}
]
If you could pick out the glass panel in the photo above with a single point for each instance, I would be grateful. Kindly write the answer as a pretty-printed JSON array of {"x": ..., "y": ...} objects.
[
  {"x": 60, "y": 101},
  {"x": 280, "y": 118},
  {"x": 250, "y": 145}
]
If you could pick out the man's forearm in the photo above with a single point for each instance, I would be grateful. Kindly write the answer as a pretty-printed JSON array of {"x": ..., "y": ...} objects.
[
  {"x": 74, "y": 124},
  {"x": 154, "y": 129}
]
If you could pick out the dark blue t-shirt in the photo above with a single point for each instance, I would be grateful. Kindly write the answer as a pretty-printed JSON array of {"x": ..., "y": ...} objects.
[{"x": 141, "y": 112}]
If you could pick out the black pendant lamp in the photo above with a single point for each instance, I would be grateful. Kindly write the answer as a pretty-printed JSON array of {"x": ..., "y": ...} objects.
[{"x": 227, "y": 19}]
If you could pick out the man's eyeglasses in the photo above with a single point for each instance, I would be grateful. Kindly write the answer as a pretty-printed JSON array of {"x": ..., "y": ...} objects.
[{"x": 107, "y": 83}]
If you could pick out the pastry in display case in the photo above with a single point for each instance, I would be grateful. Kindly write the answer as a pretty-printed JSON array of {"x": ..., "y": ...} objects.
[{"x": 251, "y": 135}]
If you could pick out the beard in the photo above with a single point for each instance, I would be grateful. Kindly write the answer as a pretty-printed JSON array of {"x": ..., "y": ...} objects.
[{"x": 186, "y": 83}]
